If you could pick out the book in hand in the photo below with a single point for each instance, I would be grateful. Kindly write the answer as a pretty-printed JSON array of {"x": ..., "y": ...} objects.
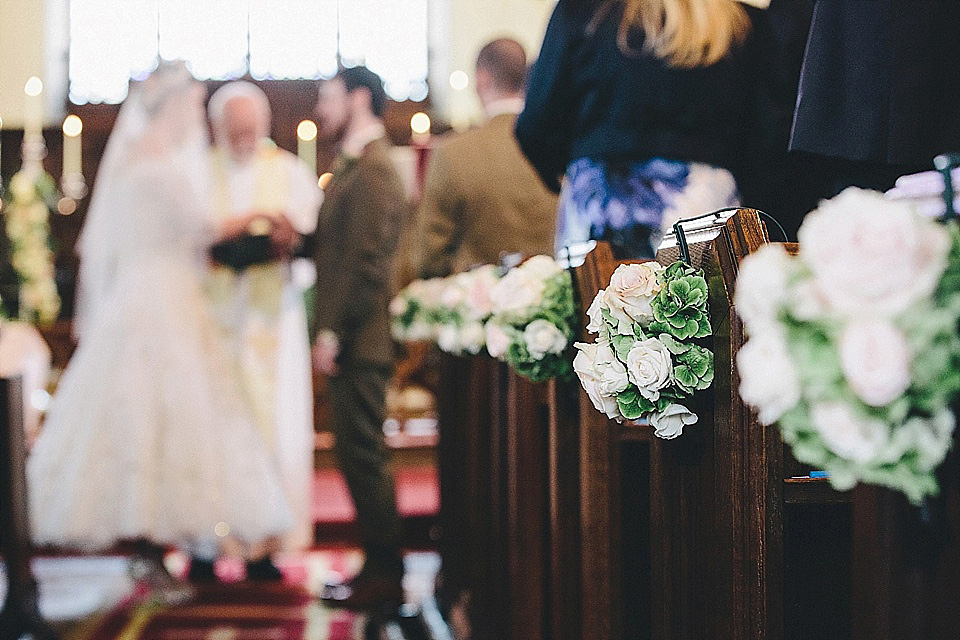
[{"x": 243, "y": 251}]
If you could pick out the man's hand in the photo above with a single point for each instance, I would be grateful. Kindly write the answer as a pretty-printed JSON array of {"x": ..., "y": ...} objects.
[
  {"x": 284, "y": 238},
  {"x": 325, "y": 352},
  {"x": 239, "y": 225}
]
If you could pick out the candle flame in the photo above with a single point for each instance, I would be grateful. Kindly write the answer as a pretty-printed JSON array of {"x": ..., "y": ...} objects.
[
  {"x": 72, "y": 126},
  {"x": 420, "y": 123},
  {"x": 307, "y": 130},
  {"x": 34, "y": 87}
]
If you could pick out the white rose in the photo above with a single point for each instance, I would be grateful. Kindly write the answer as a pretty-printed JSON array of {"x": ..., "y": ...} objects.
[
  {"x": 419, "y": 330},
  {"x": 498, "y": 340},
  {"x": 632, "y": 288},
  {"x": 876, "y": 361},
  {"x": 768, "y": 376},
  {"x": 448, "y": 338},
  {"x": 931, "y": 438},
  {"x": 669, "y": 423},
  {"x": 399, "y": 305},
  {"x": 455, "y": 293},
  {"x": 848, "y": 434},
  {"x": 543, "y": 337},
  {"x": 650, "y": 367},
  {"x": 870, "y": 255},
  {"x": 472, "y": 337},
  {"x": 595, "y": 313},
  {"x": 612, "y": 372},
  {"x": 584, "y": 364},
  {"x": 543, "y": 267},
  {"x": 517, "y": 294},
  {"x": 761, "y": 288},
  {"x": 806, "y": 302}
]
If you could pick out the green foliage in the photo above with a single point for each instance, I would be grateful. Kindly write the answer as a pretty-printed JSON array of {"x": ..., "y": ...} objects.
[{"x": 680, "y": 309}]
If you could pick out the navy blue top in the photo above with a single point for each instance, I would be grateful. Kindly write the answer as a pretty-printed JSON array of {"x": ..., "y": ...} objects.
[{"x": 587, "y": 99}]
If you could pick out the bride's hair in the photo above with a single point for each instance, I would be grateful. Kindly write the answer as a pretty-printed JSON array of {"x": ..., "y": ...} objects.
[{"x": 684, "y": 33}]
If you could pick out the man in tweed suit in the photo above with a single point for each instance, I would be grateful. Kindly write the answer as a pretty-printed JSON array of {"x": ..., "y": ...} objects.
[
  {"x": 482, "y": 197},
  {"x": 355, "y": 243}
]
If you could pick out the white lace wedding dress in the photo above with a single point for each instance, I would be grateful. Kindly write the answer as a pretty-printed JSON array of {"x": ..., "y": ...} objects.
[{"x": 148, "y": 435}]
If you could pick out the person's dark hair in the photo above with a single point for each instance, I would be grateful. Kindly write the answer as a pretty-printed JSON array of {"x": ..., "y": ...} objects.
[
  {"x": 362, "y": 78},
  {"x": 506, "y": 61}
]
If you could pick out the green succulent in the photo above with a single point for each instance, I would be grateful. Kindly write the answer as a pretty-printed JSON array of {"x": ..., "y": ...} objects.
[
  {"x": 693, "y": 369},
  {"x": 680, "y": 309}
]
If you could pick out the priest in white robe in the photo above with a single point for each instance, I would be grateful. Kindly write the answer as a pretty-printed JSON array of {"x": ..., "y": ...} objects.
[{"x": 262, "y": 306}]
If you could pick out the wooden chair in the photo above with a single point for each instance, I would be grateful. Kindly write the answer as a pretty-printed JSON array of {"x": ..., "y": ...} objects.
[{"x": 20, "y": 614}]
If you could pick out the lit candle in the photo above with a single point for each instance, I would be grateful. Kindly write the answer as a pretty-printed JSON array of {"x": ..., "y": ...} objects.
[
  {"x": 307, "y": 143},
  {"x": 72, "y": 148},
  {"x": 420, "y": 127},
  {"x": 33, "y": 107}
]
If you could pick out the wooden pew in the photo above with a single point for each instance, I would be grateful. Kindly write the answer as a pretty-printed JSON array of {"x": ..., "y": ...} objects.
[
  {"x": 613, "y": 465},
  {"x": 724, "y": 536},
  {"x": 740, "y": 547},
  {"x": 906, "y": 561},
  {"x": 20, "y": 614},
  {"x": 470, "y": 407}
]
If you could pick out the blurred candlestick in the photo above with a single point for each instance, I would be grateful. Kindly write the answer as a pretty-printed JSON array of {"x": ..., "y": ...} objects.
[
  {"x": 33, "y": 107},
  {"x": 307, "y": 143},
  {"x": 72, "y": 146}
]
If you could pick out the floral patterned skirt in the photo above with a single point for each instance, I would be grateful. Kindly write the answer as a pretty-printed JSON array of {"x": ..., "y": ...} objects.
[{"x": 631, "y": 204}]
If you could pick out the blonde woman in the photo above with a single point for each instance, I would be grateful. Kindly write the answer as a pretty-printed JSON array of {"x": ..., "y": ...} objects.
[{"x": 642, "y": 105}]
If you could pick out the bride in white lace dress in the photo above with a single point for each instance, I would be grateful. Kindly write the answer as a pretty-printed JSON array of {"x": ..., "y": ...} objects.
[{"x": 148, "y": 436}]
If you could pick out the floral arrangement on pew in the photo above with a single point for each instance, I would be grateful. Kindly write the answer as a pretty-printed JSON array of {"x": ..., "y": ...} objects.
[
  {"x": 532, "y": 322},
  {"x": 32, "y": 196},
  {"x": 449, "y": 311},
  {"x": 853, "y": 345},
  {"x": 645, "y": 361},
  {"x": 465, "y": 305},
  {"x": 415, "y": 310}
]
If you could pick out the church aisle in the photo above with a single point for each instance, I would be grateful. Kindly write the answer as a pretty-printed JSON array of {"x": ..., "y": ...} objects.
[{"x": 237, "y": 610}]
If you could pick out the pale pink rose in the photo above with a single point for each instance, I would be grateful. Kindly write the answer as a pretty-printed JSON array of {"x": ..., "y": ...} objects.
[
  {"x": 479, "y": 288},
  {"x": 870, "y": 255},
  {"x": 650, "y": 366},
  {"x": 876, "y": 361},
  {"x": 848, "y": 434},
  {"x": 632, "y": 288},
  {"x": 498, "y": 341},
  {"x": 768, "y": 376}
]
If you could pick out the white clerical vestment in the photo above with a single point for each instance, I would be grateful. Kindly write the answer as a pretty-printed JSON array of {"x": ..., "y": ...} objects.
[{"x": 262, "y": 310}]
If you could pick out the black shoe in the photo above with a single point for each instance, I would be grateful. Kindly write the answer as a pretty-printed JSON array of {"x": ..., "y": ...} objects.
[
  {"x": 264, "y": 570},
  {"x": 365, "y": 592},
  {"x": 201, "y": 571}
]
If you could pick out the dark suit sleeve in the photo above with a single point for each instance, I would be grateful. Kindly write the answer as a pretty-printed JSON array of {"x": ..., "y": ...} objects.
[
  {"x": 375, "y": 211},
  {"x": 544, "y": 128},
  {"x": 439, "y": 220}
]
